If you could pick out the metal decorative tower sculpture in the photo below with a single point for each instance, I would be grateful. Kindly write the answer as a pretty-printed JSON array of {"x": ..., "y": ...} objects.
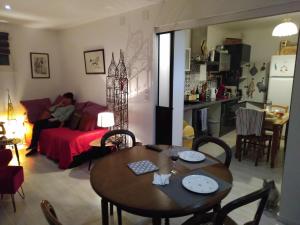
[{"x": 117, "y": 92}]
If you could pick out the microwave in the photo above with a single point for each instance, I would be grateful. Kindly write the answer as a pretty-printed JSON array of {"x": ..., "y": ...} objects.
[{"x": 219, "y": 61}]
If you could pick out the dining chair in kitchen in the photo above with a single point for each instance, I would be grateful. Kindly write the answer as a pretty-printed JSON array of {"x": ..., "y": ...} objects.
[
  {"x": 208, "y": 139},
  {"x": 221, "y": 217},
  {"x": 251, "y": 133},
  {"x": 49, "y": 213}
]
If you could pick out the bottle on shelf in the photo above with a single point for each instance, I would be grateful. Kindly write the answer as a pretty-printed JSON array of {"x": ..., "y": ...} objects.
[{"x": 197, "y": 93}]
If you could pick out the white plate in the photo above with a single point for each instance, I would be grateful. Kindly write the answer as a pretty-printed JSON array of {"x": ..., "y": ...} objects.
[
  {"x": 191, "y": 156},
  {"x": 200, "y": 184}
]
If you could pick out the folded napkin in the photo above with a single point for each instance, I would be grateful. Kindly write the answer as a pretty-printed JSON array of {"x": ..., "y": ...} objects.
[{"x": 161, "y": 179}]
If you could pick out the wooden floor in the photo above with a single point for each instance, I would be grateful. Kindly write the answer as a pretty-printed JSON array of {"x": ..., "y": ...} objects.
[{"x": 77, "y": 204}]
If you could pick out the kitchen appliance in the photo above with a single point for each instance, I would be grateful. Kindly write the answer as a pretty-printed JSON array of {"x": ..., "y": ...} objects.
[
  {"x": 282, "y": 69},
  {"x": 219, "y": 61},
  {"x": 240, "y": 54},
  {"x": 213, "y": 93}
]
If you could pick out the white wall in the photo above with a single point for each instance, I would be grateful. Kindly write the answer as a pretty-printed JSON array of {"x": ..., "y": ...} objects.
[
  {"x": 178, "y": 86},
  {"x": 17, "y": 77},
  {"x": 132, "y": 32}
]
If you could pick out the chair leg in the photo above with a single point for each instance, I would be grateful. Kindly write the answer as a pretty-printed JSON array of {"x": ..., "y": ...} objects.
[
  {"x": 119, "y": 213},
  {"x": 258, "y": 149},
  {"x": 217, "y": 208},
  {"x": 1, "y": 196},
  {"x": 90, "y": 164},
  {"x": 13, "y": 202},
  {"x": 22, "y": 195},
  {"x": 167, "y": 221},
  {"x": 269, "y": 149},
  {"x": 111, "y": 209}
]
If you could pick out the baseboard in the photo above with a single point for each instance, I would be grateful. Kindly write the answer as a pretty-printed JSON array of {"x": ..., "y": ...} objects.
[{"x": 286, "y": 221}]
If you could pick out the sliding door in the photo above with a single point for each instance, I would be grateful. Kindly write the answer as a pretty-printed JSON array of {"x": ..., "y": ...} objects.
[{"x": 169, "y": 109}]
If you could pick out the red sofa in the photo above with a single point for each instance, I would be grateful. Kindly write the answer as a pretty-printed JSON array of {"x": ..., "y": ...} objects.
[{"x": 63, "y": 144}]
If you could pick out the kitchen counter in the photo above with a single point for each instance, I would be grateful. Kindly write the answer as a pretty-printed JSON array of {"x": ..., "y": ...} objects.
[{"x": 200, "y": 105}]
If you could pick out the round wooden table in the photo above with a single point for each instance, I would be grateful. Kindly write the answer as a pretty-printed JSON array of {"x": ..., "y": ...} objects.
[{"x": 114, "y": 182}]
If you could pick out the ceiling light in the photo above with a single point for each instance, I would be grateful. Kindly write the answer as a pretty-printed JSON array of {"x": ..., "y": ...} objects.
[
  {"x": 286, "y": 28},
  {"x": 7, "y": 7}
]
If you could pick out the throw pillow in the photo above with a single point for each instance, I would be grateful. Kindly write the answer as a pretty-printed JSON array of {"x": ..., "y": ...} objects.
[
  {"x": 34, "y": 108},
  {"x": 88, "y": 122},
  {"x": 75, "y": 120}
]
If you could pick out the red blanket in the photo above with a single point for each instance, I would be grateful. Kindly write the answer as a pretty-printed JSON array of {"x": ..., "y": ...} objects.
[{"x": 62, "y": 144}]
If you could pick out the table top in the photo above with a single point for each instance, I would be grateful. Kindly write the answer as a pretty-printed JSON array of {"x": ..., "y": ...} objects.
[
  {"x": 278, "y": 120},
  {"x": 10, "y": 141},
  {"x": 113, "y": 181}
]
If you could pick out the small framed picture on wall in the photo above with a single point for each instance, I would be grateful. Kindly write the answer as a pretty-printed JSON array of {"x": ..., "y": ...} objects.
[
  {"x": 40, "y": 68},
  {"x": 94, "y": 61}
]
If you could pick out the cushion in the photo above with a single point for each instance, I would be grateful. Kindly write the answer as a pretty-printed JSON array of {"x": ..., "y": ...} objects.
[
  {"x": 5, "y": 157},
  {"x": 35, "y": 108},
  {"x": 75, "y": 120},
  {"x": 88, "y": 122}
]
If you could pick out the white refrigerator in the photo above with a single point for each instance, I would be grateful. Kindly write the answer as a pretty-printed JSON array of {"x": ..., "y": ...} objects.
[{"x": 282, "y": 68}]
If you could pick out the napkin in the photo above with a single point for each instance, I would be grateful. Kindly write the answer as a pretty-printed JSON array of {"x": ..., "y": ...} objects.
[{"x": 161, "y": 179}]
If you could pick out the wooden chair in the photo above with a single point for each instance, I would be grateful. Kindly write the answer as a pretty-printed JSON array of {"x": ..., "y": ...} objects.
[
  {"x": 257, "y": 142},
  {"x": 206, "y": 139},
  {"x": 119, "y": 140},
  {"x": 228, "y": 154},
  {"x": 11, "y": 177},
  {"x": 49, "y": 213},
  {"x": 221, "y": 217}
]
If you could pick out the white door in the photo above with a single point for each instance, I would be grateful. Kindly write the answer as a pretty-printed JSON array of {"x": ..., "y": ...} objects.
[
  {"x": 280, "y": 90},
  {"x": 282, "y": 65}
]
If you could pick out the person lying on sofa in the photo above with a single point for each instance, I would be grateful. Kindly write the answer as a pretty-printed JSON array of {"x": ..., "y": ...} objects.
[{"x": 55, "y": 117}]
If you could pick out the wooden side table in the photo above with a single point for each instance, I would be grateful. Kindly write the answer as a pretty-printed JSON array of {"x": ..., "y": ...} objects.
[{"x": 14, "y": 142}]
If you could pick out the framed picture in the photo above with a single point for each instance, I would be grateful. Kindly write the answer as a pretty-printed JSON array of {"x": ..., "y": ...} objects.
[
  {"x": 39, "y": 65},
  {"x": 94, "y": 61}
]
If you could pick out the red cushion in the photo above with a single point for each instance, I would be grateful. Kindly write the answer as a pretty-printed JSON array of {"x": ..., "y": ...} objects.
[
  {"x": 5, "y": 157},
  {"x": 35, "y": 108},
  {"x": 11, "y": 179},
  {"x": 88, "y": 122},
  {"x": 62, "y": 144}
]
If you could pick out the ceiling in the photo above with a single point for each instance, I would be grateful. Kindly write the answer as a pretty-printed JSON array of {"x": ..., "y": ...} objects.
[
  {"x": 261, "y": 22},
  {"x": 60, "y": 14}
]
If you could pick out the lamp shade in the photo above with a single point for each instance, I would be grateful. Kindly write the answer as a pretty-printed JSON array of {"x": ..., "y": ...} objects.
[
  {"x": 105, "y": 119},
  {"x": 286, "y": 28}
]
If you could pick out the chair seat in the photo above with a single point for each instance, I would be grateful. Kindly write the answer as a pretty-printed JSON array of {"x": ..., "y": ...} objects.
[{"x": 11, "y": 179}]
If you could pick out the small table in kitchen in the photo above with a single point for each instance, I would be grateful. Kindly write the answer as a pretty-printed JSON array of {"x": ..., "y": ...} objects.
[
  {"x": 276, "y": 126},
  {"x": 137, "y": 194},
  {"x": 14, "y": 142}
]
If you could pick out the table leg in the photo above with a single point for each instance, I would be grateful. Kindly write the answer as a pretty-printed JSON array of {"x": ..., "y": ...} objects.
[
  {"x": 17, "y": 153},
  {"x": 156, "y": 221},
  {"x": 104, "y": 209},
  {"x": 275, "y": 143}
]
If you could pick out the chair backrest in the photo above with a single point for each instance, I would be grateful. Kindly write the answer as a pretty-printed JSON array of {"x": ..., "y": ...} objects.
[
  {"x": 120, "y": 135},
  {"x": 206, "y": 139},
  {"x": 261, "y": 194},
  {"x": 5, "y": 157},
  {"x": 49, "y": 213},
  {"x": 249, "y": 121}
]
